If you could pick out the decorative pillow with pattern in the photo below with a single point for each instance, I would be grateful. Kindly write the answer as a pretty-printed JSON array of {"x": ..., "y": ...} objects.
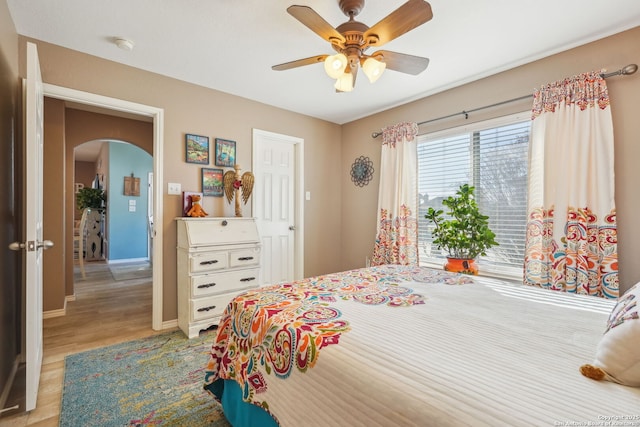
[{"x": 618, "y": 354}]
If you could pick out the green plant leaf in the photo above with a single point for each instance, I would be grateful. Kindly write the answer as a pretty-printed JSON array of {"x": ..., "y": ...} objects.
[
  {"x": 90, "y": 198},
  {"x": 465, "y": 233}
]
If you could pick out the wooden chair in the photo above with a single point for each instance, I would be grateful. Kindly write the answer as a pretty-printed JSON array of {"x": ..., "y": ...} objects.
[{"x": 78, "y": 240}]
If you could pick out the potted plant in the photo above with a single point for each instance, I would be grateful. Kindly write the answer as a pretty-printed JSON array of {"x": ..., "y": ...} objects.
[
  {"x": 90, "y": 198},
  {"x": 464, "y": 234}
]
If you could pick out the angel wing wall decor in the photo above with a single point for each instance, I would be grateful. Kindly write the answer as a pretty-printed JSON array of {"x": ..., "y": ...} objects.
[{"x": 234, "y": 184}]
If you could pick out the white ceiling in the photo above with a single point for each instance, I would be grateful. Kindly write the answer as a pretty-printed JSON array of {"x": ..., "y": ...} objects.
[{"x": 230, "y": 45}]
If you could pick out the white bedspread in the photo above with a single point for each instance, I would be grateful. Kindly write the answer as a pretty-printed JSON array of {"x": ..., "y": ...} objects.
[{"x": 481, "y": 354}]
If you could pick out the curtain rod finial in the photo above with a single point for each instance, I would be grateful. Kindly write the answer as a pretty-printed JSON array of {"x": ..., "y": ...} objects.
[
  {"x": 629, "y": 69},
  {"x": 624, "y": 71}
]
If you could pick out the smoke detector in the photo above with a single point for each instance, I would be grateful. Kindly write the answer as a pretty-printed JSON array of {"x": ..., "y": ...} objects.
[{"x": 124, "y": 44}]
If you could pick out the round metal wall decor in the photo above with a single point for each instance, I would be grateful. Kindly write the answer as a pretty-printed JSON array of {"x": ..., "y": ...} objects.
[{"x": 361, "y": 171}]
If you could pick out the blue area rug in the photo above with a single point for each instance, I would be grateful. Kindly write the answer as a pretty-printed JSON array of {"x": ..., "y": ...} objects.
[{"x": 154, "y": 381}]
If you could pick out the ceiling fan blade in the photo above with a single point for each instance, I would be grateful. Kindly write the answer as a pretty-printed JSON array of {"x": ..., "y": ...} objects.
[
  {"x": 402, "y": 62},
  {"x": 404, "y": 19},
  {"x": 316, "y": 23},
  {"x": 299, "y": 63}
]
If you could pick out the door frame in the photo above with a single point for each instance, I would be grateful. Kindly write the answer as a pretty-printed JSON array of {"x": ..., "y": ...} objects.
[
  {"x": 150, "y": 198},
  {"x": 298, "y": 146},
  {"x": 157, "y": 114}
]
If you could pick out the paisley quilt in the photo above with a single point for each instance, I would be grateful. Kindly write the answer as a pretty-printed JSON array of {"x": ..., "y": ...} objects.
[{"x": 268, "y": 333}]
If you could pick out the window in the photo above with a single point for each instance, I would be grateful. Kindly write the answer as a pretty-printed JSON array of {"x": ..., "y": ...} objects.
[{"x": 492, "y": 157}]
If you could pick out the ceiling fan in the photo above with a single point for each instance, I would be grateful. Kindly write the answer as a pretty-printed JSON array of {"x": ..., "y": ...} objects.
[{"x": 352, "y": 38}]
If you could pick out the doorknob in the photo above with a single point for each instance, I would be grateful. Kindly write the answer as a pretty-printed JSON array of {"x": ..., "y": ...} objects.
[
  {"x": 292, "y": 227},
  {"x": 16, "y": 246},
  {"x": 46, "y": 244}
]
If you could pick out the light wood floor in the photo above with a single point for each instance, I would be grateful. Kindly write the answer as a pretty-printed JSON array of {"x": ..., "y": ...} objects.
[{"x": 104, "y": 312}]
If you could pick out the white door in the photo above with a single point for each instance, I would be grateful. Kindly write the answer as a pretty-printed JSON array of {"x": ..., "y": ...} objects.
[
  {"x": 277, "y": 206},
  {"x": 34, "y": 101}
]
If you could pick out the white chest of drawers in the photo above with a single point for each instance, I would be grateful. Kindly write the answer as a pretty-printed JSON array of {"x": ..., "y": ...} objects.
[{"x": 218, "y": 258}]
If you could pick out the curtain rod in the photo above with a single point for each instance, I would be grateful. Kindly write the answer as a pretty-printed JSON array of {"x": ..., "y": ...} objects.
[{"x": 629, "y": 69}]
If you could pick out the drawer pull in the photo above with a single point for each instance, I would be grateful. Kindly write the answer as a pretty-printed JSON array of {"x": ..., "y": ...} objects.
[
  {"x": 211, "y": 307},
  {"x": 247, "y": 279},
  {"x": 213, "y": 261},
  {"x": 245, "y": 258},
  {"x": 206, "y": 285}
]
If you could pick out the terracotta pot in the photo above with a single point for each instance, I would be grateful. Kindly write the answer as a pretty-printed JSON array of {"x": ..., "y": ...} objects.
[{"x": 461, "y": 265}]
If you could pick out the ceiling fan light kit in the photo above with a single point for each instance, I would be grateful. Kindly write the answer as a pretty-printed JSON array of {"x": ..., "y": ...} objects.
[
  {"x": 373, "y": 68},
  {"x": 334, "y": 65},
  {"x": 344, "y": 83},
  {"x": 352, "y": 38}
]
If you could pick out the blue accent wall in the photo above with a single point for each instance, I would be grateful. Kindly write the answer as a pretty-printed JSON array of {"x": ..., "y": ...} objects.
[{"x": 127, "y": 231}]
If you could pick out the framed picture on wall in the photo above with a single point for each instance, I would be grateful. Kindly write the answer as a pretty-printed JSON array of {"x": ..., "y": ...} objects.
[
  {"x": 197, "y": 149},
  {"x": 212, "y": 182},
  {"x": 225, "y": 153}
]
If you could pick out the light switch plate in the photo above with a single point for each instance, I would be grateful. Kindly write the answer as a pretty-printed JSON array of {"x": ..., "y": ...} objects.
[{"x": 174, "y": 188}]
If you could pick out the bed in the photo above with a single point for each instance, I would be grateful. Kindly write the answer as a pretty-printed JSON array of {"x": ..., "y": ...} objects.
[{"x": 412, "y": 346}]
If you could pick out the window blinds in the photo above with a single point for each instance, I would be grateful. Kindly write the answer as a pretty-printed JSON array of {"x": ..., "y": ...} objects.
[{"x": 492, "y": 157}]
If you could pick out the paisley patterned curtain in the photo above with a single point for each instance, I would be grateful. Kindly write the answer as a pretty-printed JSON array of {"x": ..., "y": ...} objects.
[
  {"x": 571, "y": 241},
  {"x": 397, "y": 229}
]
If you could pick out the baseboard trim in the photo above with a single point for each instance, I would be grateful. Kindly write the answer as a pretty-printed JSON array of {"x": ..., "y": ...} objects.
[
  {"x": 169, "y": 324},
  {"x": 7, "y": 387},
  {"x": 59, "y": 312},
  {"x": 69, "y": 298},
  {"x": 128, "y": 260},
  {"x": 55, "y": 313}
]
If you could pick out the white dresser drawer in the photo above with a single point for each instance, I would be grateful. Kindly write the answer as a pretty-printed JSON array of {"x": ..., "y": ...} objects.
[
  {"x": 208, "y": 261},
  {"x": 223, "y": 282},
  {"x": 218, "y": 258},
  {"x": 204, "y": 308},
  {"x": 242, "y": 257}
]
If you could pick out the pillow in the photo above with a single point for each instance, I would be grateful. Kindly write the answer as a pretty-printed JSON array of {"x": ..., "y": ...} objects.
[{"x": 618, "y": 354}]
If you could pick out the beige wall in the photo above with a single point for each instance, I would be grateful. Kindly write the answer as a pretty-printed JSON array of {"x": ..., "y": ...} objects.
[
  {"x": 84, "y": 173},
  {"x": 359, "y": 204},
  {"x": 193, "y": 109},
  {"x": 53, "y": 220},
  {"x": 83, "y": 126}
]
